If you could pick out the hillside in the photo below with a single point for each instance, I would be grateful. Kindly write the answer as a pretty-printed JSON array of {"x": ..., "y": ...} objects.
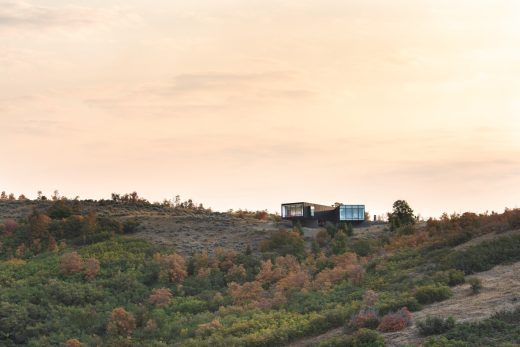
[{"x": 108, "y": 273}]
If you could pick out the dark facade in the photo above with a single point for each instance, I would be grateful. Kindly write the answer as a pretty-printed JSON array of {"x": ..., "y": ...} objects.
[{"x": 313, "y": 215}]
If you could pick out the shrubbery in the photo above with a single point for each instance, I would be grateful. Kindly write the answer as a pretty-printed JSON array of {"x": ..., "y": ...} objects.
[
  {"x": 362, "y": 338},
  {"x": 395, "y": 321},
  {"x": 435, "y": 325},
  {"x": 475, "y": 284},
  {"x": 284, "y": 243},
  {"x": 432, "y": 293},
  {"x": 486, "y": 255}
]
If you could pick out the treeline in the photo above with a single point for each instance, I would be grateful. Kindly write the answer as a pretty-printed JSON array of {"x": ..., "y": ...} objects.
[{"x": 53, "y": 228}]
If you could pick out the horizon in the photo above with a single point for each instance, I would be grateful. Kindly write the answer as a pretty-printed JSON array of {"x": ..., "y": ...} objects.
[
  {"x": 249, "y": 104},
  {"x": 383, "y": 215}
]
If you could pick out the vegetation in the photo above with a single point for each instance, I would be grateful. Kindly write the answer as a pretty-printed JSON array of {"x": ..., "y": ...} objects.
[
  {"x": 435, "y": 325},
  {"x": 475, "y": 284},
  {"x": 402, "y": 215},
  {"x": 502, "y": 329},
  {"x": 71, "y": 275}
]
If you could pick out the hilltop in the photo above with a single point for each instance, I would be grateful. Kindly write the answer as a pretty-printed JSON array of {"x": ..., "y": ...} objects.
[{"x": 130, "y": 273}]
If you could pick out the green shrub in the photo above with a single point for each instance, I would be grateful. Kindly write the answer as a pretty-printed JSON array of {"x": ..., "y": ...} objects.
[
  {"x": 368, "y": 338},
  {"x": 362, "y": 338},
  {"x": 362, "y": 248},
  {"x": 339, "y": 243},
  {"x": 476, "y": 285},
  {"x": 394, "y": 302},
  {"x": 501, "y": 329},
  {"x": 451, "y": 277},
  {"x": 444, "y": 342},
  {"x": 284, "y": 243},
  {"x": 432, "y": 293},
  {"x": 435, "y": 325},
  {"x": 407, "y": 229}
]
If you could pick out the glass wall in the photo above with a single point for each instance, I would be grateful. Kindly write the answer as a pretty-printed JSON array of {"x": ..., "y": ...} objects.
[
  {"x": 352, "y": 212},
  {"x": 292, "y": 210}
]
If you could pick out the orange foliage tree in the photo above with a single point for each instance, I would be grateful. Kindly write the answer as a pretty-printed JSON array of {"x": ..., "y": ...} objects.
[
  {"x": 121, "y": 322},
  {"x": 173, "y": 267},
  {"x": 247, "y": 293},
  {"x": 91, "y": 268},
  {"x": 71, "y": 263},
  {"x": 160, "y": 297}
]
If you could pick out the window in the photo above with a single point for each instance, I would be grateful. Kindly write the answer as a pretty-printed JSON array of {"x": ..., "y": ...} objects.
[
  {"x": 292, "y": 210},
  {"x": 312, "y": 211},
  {"x": 352, "y": 213}
]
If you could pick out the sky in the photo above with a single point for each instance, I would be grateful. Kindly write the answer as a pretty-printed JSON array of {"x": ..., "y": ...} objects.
[{"x": 251, "y": 103}]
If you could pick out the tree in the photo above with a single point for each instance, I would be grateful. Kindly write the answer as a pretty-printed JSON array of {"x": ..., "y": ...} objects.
[
  {"x": 402, "y": 214},
  {"x": 160, "y": 297},
  {"x": 121, "y": 322},
  {"x": 71, "y": 263},
  {"x": 91, "y": 268},
  {"x": 173, "y": 267},
  {"x": 339, "y": 243},
  {"x": 39, "y": 225}
]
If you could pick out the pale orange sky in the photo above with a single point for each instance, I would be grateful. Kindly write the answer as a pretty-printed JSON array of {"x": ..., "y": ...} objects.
[{"x": 247, "y": 104}]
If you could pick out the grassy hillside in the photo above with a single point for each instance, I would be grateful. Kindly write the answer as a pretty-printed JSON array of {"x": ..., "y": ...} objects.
[{"x": 92, "y": 274}]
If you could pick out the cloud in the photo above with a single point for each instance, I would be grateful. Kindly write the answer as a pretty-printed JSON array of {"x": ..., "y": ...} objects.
[
  {"x": 23, "y": 15},
  {"x": 206, "y": 92},
  {"x": 36, "y": 127}
]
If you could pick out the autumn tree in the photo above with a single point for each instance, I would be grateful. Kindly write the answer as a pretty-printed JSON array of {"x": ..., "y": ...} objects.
[
  {"x": 225, "y": 258},
  {"x": 245, "y": 294},
  {"x": 121, "y": 322},
  {"x": 160, "y": 297},
  {"x": 92, "y": 267},
  {"x": 71, "y": 263},
  {"x": 173, "y": 267},
  {"x": 10, "y": 226},
  {"x": 39, "y": 225}
]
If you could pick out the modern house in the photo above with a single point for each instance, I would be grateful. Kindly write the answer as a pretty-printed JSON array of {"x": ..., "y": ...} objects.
[{"x": 313, "y": 215}]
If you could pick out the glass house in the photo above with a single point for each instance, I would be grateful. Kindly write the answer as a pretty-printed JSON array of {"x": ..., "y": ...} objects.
[{"x": 310, "y": 214}]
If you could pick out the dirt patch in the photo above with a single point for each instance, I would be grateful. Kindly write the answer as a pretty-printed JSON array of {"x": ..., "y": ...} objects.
[{"x": 191, "y": 233}]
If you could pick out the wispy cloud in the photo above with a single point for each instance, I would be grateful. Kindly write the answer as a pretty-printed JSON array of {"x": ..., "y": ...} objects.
[
  {"x": 24, "y": 15},
  {"x": 206, "y": 92}
]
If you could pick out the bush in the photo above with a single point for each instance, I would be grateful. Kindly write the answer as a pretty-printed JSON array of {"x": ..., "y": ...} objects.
[
  {"x": 121, "y": 322},
  {"x": 435, "y": 325},
  {"x": 451, "y": 277},
  {"x": 395, "y": 321},
  {"x": 284, "y": 243},
  {"x": 486, "y": 255},
  {"x": 367, "y": 319},
  {"x": 339, "y": 243},
  {"x": 443, "y": 342},
  {"x": 396, "y": 302},
  {"x": 476, "y": 285},
  {"x": 407, "y": 229},
  {"x": 362, "y": 248},
  {"x": 368, "y": 338},
  {"x": 362, "y": 338},
  {"x": 432, "y": 293}
]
